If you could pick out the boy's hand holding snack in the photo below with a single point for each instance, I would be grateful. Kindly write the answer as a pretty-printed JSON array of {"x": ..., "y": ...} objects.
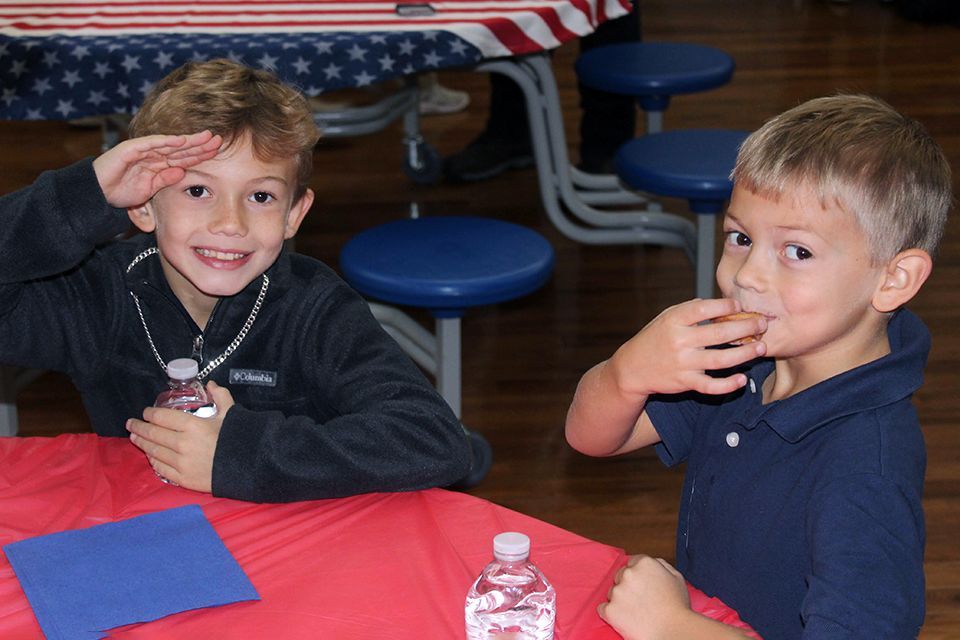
[
  {"x": 180, "y": 446},
  {"x": 742, "y": 315},
  {"x": 671, "y": 354},
  {"x": 133, "y": 171}
]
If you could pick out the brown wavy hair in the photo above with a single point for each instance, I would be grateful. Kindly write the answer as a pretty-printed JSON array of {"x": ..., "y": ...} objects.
[{"x": 233, "y": 100}]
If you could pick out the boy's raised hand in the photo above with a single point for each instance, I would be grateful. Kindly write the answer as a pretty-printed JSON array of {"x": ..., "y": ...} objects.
[
  {"x": 671, "y": 354},
  {"x": 133, "y": 171},
  {"x": 179, "y": 446}
]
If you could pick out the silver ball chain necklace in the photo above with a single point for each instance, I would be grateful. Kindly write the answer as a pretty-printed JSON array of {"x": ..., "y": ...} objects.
[{"x": 216, "y": 362}]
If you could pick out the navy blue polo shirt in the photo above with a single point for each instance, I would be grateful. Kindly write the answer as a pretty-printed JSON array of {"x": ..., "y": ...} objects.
[{"x": 805, "y": 514}]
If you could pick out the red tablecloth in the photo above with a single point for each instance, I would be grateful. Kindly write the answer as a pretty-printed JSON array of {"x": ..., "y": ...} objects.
[{"x": 371, "y": 566}]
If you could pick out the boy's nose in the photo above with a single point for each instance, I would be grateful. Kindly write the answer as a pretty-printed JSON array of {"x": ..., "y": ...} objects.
[
  {"x": 229, "y": 220},
  {"x": 753, "y": 272}
]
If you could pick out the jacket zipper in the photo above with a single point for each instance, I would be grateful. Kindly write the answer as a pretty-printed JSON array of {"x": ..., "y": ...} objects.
[{"x": 197, "y": 353}]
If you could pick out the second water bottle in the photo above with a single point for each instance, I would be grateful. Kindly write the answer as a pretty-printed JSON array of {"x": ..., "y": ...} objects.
[{"x": 511, "y": 597}]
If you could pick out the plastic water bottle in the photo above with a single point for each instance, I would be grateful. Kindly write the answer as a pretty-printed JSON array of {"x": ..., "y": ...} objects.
[
  {"x": 185, "y": 392},
  {"x": 511, "y": 598}
]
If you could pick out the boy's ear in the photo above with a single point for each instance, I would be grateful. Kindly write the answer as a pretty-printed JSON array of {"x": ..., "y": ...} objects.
[
  {"x": 902, "y": 279},
  {"x": 142, "y": 217},
  {"x": 296, "y": 214}
]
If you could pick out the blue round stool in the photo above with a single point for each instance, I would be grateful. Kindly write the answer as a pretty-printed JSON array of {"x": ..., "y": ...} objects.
[
  {"x": 444, "y": 265},
  {"x": 693, "y": 164},
  {"x": 653, "y": 72}
]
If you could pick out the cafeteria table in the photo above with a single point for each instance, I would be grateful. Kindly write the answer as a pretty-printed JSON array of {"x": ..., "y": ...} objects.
[
  {"x": 68, "y": 60},
  {"x": 89, "y": 57},
  {"x": 394, "y": 565}
]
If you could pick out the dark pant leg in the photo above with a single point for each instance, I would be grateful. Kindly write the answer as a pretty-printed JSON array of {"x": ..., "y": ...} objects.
[
  {"x": 608, "y": 119},
  {"x": 507, "y": 118}
]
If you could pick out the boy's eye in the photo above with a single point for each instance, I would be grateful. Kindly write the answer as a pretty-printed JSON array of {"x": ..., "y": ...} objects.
[
  {"x": 738, "y": 238},
  {"x": 796, "y": 252},
  {"x": 197, "y": 191},
  {"x": 262, "y": 197}
]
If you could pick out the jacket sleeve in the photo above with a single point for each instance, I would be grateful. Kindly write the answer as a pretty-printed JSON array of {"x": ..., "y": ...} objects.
[
  {"x": 53, "y": 224},
  {"x": 47, "y": 230},
  {"x": 389, "y": 430}
]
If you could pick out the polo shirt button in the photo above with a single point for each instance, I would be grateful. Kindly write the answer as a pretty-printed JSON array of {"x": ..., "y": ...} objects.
[
  {"x": 753, "y": 386},
  {"x": 733, "y": 439}
]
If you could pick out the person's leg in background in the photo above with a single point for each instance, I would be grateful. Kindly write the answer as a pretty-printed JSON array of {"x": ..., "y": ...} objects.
[
  {"x": 504, "y": 142},
  {"x": 608, "y": 120},
  {"x": 437, "y": 99}
]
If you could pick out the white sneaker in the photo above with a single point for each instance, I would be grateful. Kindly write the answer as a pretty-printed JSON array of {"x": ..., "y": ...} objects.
[{"x": 436, "y": 99}]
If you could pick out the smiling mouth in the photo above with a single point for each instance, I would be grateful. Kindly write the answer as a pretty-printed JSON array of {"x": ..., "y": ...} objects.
[{"x": 224, "y": 256}]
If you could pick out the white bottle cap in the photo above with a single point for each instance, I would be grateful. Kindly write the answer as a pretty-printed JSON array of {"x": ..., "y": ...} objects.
[
  {"x": 511, "y": 546},
  {"x": 183, "y": 368}
]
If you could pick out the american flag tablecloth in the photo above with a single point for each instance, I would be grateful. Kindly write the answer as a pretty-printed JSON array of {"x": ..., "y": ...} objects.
[{"x": 73, "y": 58}]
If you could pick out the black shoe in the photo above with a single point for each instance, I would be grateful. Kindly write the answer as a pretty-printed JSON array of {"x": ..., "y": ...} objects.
[
  {"x": 597, "y": 167},
  {"x": 487, "y": 156}
]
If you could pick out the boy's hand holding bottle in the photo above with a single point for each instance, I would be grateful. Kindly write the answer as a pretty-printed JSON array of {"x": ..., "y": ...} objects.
[{"x": 180, "y": 446}]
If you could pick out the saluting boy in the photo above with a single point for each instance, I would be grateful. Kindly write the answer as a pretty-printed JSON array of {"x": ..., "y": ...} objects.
[{"x": 315, "y": 400}]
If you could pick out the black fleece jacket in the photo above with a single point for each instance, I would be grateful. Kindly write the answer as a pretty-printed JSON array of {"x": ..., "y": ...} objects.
[{"x": 327, "y": 403}]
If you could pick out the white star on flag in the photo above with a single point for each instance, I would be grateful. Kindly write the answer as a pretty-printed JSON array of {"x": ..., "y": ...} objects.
[
  {"x": 130, "y": 63},
  {"x": 302, "y": 66},
  {"x": 268, "y": 62},
  {"x": 64, "y": 107},
  {"x": 357, "y": 52},
  {"x": 332, "y": 71},
  {"x": 41, "y": 85},
  {"x": 363, "y": 79}
]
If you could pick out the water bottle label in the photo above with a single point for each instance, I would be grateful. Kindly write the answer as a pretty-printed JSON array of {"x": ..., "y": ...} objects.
[{"x": 205, "y": 411}]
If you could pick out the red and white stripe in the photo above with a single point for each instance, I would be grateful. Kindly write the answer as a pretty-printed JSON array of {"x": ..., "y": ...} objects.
[{"x": 496, "y": 27}]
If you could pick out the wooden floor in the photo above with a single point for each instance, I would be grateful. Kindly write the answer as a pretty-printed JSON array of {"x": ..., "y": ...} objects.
[{"x": 522, "y": 360}]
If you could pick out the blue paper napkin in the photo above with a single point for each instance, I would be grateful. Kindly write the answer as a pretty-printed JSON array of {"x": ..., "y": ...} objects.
[{"x": 81, "y": 583}]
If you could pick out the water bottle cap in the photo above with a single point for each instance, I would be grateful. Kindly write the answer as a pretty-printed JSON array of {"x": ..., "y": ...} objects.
[
  {"x": 511, "y": 546},
  {"x": 183, "y": 368}
]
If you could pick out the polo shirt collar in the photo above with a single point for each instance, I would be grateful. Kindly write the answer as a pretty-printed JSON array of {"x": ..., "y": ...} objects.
[{"x": 881, "y": 382}]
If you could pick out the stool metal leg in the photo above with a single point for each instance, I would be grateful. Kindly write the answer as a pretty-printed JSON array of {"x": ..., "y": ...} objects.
[
  {"x": 417, "y": 342},
  {"x": 448, "y": 362},
  {"x": 706, "y": 223},
  {"x": 12, "y": 380},
  {"x": 438, "y": 353},
  {"x": 8, "y": 405},
  {"x": 584, "y": 223},
  {"x": 654, "y": 121}
]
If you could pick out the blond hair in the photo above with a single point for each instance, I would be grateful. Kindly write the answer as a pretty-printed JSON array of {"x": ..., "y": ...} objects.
[
  {"x": 233, "y": 100},
  {"x": 858, "y": 152}
]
